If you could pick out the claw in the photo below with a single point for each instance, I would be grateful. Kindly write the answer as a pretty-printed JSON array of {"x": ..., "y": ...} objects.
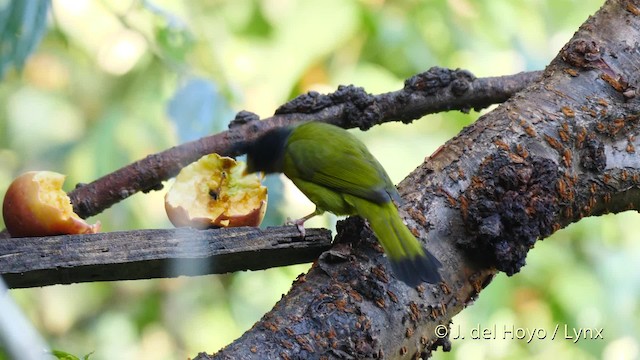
[{"x": 299, "y": 223}]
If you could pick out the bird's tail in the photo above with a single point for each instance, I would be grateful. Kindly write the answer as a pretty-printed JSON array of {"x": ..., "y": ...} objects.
[{"x": 409, "y": 260}]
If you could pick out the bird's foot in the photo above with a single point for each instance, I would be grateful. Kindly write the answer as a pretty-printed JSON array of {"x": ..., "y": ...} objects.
[{"x": 299, "y": 223}]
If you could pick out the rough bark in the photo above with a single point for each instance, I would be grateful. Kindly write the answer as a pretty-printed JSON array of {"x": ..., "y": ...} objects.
[{"x": 562, "y": 149}]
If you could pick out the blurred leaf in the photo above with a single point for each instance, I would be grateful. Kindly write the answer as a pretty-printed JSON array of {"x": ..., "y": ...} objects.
[
  {"x": 172, "y": 35},
  {"x": 258, "y": 25},
  {"x": 147, "y": 310},
  {"x": 198, "y": 108},
  {"x": 175, "y": 43},
  {"x": 66, "y": 356},
  {"x": 22, "y": 24},
  {"x": 63, "y": 355}
]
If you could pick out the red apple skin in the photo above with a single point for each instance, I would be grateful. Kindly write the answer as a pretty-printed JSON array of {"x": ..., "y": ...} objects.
[
  {"x": 188, "y": 205},
  {"x": 29, "y": 211},
  {"x": 180, "y": 217},
  {"x": 254, "y": 218}
]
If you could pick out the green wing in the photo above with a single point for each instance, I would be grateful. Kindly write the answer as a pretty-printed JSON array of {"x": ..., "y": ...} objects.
[{"x": 331, "y": 157}]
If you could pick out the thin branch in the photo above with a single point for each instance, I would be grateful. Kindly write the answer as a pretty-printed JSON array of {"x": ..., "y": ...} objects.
[
  {"x": 433, "y": 91},
  {"x": 146, "y": 254}
]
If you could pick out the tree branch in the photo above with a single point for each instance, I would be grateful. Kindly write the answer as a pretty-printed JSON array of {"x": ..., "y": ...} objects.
[
  {"x": 146, "y": 254},
  {"x": 430, "y": 92},
  {"x": 433, "y": 91}
]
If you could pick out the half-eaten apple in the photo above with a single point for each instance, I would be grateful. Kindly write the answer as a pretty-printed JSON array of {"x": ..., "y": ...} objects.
[
  {"x": 214, "y": 192},
  {"x": 36, "y": 205}
]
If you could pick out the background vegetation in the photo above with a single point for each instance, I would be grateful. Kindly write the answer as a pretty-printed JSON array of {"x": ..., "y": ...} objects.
[{"x": 113, "y": 81}]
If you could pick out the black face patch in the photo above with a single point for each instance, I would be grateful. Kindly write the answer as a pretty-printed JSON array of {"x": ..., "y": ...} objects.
[{"x": 266, "y": 153}]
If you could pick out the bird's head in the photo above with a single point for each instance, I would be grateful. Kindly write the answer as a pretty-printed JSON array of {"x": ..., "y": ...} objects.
[{"x": 266, "y": 152}]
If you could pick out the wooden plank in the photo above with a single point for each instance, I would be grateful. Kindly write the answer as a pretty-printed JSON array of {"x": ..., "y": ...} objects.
[{"x": 146, "y": 254}]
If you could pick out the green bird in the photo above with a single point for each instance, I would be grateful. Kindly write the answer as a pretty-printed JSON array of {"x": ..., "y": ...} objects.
[{"x": 339, "y": 175}]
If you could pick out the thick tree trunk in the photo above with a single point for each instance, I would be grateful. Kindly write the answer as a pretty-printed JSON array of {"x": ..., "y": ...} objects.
[{"x": 562, "y": 149}]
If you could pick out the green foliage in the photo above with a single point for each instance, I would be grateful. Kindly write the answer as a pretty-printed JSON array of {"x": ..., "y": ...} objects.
[
  {"x": 171, "y": 35},
  {"x": 22, "y": 24},
  {"x": 61, "y": 355},
  {"x": 105, "y": 84}
]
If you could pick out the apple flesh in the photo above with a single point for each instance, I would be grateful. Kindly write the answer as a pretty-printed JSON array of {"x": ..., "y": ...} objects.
[
  {"x": 36, "y": 205},
  {"x": 214, "y": 192}
]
